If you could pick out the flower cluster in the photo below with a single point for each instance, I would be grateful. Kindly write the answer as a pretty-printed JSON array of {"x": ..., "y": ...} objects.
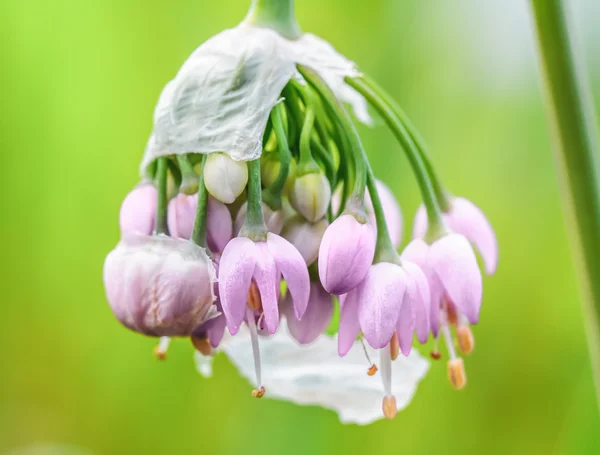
[{"x": 258, "y": 204}]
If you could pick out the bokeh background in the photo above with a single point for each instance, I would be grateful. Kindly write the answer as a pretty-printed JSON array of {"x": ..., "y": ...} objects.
[{"x": 78, "y": 83}]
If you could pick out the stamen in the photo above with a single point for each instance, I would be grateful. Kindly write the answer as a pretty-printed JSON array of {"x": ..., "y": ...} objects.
[
  {"x": 202, "y": 345},
  {"x": 449, "y": 341},
  {"x": 466, "y": 340},
  {"x": 435, "y": 354},
  {"x": 160, "y": 351},
  {"x": 260, "y": 390},
  {"x": 254, "y": 300},
  {"x": 389, "y": 401},
  {"x": 394, "y": 346},
  {"x": 456, "y": 373},
  {"x": 373, "y": 368}
]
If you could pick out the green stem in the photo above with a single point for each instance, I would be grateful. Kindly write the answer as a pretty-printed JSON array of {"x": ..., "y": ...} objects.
[
  {"x": 199, "y": 232},
  {"x": 254, "y": 225},
  {"x": 440, "y": 192},
  {"x": 161, "y": 226},
  {"x": 189, "y": 178},
  {"x": 275, "y": 14},
  {"x": 576, "y": 149},
  {"x": 384, "y": 248},
  {"x": 272, "y": 195},
  {"x": 429, "y": 198},
  {"x": 347, "y": 129}
]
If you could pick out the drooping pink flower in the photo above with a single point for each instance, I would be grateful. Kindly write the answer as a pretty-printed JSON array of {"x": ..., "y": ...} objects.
[
  {"x": 138, "y": 210},
  {"x": 316, "y": 317},
  {"x": 467, "y": 219},
  {"x": 182, "y": 215},
  {"x": 159, "y": 285},
  {"x": 305, "y": 236},
  {"x": 345, "y": 254},
  {"x": 245, "y": 264}
]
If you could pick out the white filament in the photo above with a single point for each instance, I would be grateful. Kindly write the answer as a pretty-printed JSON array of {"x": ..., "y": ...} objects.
[
  {"x": 385, "y": 359},
  {"x": 255, "y": 347}
]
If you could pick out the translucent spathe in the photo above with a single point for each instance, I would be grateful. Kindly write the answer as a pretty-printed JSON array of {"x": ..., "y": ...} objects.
[
  {"x": 314, "y": 374},
  {"x": 223, "y": 94}
]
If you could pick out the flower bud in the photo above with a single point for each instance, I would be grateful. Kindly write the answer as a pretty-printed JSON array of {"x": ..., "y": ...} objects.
[
  {"x": 345, "y": 255},
  {"x": 138, "y": 210},
  {"x": 225, "y": 178},
  {"x": 310, "y": 195},
  {"x": 273, "y": 219},
  {"x": 305, "y": 236},
  {"x": 159, "y": 285}
]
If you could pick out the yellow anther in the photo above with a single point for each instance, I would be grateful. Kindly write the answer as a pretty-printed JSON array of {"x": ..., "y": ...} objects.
[
  {"x": 435, "y": 355},
  {"x": 159, "y": 353},
  {"x": 390, "y": 409},
  {"x": 202, "y": 345},
  {"x": 466, "y": 340},
  {"x": 258, "y": 393},
  {"x": 394, "y": 346},
  {"x": 254, "y": 300},
  {"x": 372, "y": 370},
  {"x": 456, "y": 373}
]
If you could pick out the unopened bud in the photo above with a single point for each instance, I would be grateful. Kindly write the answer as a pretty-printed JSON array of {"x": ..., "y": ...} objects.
[
  {"x": 466, "y": 340},
  {"x": 202, "y": 345},
  {"x": 310, "y": 196},
  {"x": 394, "y": 346},
  {"x": 456, "y": 373},
  {"x": 305, "y": 236},
  {"x": 225, "y": 178},
  {"x": 254, "y": 300},
  {"x": 389, "y": 406},
  {"x": 258, "y": 393}
]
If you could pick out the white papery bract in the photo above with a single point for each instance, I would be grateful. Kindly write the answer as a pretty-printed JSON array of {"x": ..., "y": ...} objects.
[
  {"x": 221, "y": 98},
  {"x": 314, "y": 374}
]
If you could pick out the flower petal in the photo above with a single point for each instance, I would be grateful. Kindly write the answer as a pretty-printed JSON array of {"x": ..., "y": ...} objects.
[
  {"x": 293, "y": 268},
  {"x": 405, "y": 327},
  {"x": 266, "y": 278},
  {"x": 454, "y": 262},
  {"x": 380, "y": 297},
  {"x": 219, "y": 226},
  {"x": 317, "y": 317},
  {"x": 236, "y": 269},
  {"x": 420, "y": 223},
  {"x": 391, "y": 212},
  {"x": 420, "y": 299},
  {"x": 349, "y": 325}
]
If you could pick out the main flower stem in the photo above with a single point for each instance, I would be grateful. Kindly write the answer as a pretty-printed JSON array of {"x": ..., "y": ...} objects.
[
  {"x": 576, "y": 149},
  {"x": 161, "y": 226},
  {"x": 275, "y": 14},
  {"x": 397, "y": 127}
]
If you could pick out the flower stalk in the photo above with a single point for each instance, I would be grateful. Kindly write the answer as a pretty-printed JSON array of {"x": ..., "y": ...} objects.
[
  {"x": 276, "y": 14},
  {"x": 254, "y": 226},
  {"x": 576, "y": 152},
  {"x": 199, "y": 232},
  {"x": 161, "y": 226}
]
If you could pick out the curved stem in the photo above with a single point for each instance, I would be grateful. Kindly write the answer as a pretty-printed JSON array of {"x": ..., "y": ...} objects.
[
  {"x": 576, "y": 151},
  {"x": 254, "y": 225},
  {"x": 272, "y": 195},
  {"x": 199, "y": 232},
  {"x": 275, "y": 14},
  {"x": 161, "y": 226},
  {"x": 425, "y": 184},
  {"x": 440, "y": 191}
]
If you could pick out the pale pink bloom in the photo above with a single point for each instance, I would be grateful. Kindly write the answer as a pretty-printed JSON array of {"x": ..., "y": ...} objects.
[
  {"x": 316, "y": 318},
  {"x": 305, "y": 236},
  {"x": 138, "y": 210}
]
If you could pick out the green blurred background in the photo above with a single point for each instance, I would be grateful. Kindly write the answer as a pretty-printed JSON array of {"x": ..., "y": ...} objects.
[{"x": 79, "y": 80}]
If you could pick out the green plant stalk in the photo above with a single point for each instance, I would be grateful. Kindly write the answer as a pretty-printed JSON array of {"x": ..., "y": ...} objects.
[
  {"x": 440, "y": 192},
  {"x": 199, "y": 232},
  {"x": 275, "y": 14},
  {"x": 161, "y": 226},
  {"x": 576, "y": 151},
  {"x": 346, "y": 125},
  {"x": 254, "y": 225},
  {"x": 272, "y": 195},
  {"x": 436, "y": 224}
]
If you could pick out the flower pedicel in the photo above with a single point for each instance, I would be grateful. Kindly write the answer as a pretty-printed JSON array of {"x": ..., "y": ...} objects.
[{"x": 263, "y": 98}]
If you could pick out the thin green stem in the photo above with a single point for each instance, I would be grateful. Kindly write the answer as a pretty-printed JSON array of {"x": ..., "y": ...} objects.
[
  {"x": 572, "y": 121},
  {"x": 254, "y": 225},
  {"x": 199, "y": 232},
  {"x": 275, "y": 14},
  {"x": 427, "y": 192},
  {"x": 161, "y": 226},
  {"x": 384, "y": 248},
  {"x": 440, "y": 192},
  {"x": 272, "y": 195}
]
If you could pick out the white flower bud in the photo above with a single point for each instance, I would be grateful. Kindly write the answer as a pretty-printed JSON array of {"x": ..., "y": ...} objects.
[
  {"x": 225, "y": 178},
  {"x": 310, "y": 196}
]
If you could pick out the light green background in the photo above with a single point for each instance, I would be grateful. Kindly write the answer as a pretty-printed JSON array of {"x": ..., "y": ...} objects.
[{"x": 78, "y": 83}]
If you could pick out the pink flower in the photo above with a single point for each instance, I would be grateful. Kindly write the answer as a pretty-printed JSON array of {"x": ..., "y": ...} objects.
[
  {"x": 182, "y": 216},
  {"x": 255, "y": 267},
  {"x": 160, "y": 286},
  {"x": 138, "y": 210},
  {"x": 345, "y": 254},
  {"x": 467, "y": 219},
  {"x": 316, "y": 318}
]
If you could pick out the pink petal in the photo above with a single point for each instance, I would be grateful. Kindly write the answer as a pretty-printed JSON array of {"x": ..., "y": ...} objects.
[
  {"x": 138, "y": 210},
  {"x": 317, "y": 317},
  {"x": 405, "y": 327},
  {"x": 219, "y": 226},
  {"x": 266, "y": 278},
  {"x": 467, "y": 219},
  {"x": 420, "y": 299},
  {"x": 292, "y": 266},
  {"x": 454, "y": 262},
  {"x": 380, "y": 297},
  {"x": 236, "y": 269},
  {"x": 416, "y": 252},
  {"x": 349, "y": 325},
  {"x": 420, "y": 223},
  {"x": 181, "y": 215},
  {"x": 391, "y": 212}
]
